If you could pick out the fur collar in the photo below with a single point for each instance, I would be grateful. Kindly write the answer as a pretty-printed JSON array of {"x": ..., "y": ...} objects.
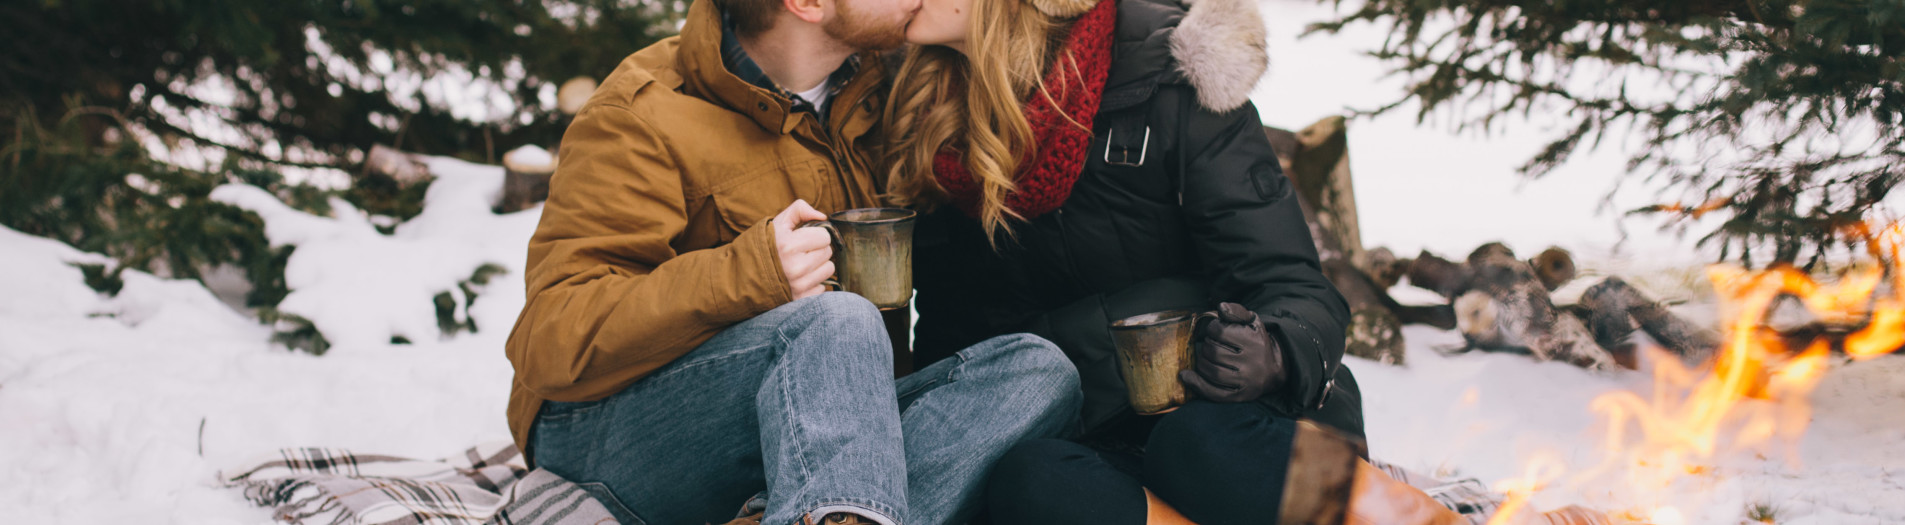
[{"x": 1222, "y": 49}]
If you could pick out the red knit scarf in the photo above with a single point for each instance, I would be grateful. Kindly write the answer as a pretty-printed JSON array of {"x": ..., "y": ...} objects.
[{"x": 1046, "y": 180}]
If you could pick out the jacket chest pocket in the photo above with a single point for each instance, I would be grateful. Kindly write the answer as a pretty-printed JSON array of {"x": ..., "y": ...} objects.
[{"x": 742, "y": 201}]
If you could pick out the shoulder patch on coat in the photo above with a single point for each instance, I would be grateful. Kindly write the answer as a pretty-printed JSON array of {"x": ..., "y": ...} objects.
[{"x": 1222, "y": 48}]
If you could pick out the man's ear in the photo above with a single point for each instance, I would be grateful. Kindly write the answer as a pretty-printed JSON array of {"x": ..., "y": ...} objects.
[{"x": 810, "y": 11}]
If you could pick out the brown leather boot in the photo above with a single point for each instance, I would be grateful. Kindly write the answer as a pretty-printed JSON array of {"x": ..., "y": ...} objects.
[
  {"x": 1380, "y": 500},
  {"x": 1322, "y": 473},
  {"x": 1330, "y": 484}
]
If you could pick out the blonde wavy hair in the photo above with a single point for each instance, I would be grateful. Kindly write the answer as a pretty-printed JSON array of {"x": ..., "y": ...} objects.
[{"x": 975, "y": 104}]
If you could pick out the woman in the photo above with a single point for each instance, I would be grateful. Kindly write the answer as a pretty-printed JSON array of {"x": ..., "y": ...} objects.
[{"x": 1081, "y": 161}]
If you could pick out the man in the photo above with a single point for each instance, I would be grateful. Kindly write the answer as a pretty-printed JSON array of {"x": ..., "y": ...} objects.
[{"x": 678, "y": 353}]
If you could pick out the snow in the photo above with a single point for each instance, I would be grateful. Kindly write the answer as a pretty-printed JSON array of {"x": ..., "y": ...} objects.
[
  {"x": 1487, "y": 415},
  {"x": 529, "y": 159},
  {"x": 122, "y": 409},
  {"x": 430, "y": 254},
  {"x": 102, "y": 400}
]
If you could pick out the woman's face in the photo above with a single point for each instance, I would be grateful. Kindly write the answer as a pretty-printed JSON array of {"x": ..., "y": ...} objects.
[{"x": 941, "y": 23}]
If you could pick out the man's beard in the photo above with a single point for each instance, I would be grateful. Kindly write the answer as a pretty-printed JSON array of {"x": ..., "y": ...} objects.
[{"x": 861, "y": 32}]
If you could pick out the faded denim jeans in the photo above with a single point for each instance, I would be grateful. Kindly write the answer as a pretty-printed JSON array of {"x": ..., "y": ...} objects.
[{"x": 798, "y": 405}]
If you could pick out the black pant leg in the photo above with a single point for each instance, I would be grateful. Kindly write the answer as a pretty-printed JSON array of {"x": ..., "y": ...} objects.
[
  {"x": 1220, "y": 463},
  {"x": 1058, "y": 482}
]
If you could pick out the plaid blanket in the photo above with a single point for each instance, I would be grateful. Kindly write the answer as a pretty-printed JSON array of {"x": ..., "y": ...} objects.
[{"x": 488, "y": 484}]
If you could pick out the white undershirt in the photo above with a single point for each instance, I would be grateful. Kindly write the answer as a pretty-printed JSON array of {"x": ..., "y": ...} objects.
[{"x": 816, "y": 96}]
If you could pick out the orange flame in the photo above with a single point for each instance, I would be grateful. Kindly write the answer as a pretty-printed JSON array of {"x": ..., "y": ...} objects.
[{"x": 1754, "y": 392}]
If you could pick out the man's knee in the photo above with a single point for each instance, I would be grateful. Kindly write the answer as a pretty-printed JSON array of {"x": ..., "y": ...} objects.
[
  {"x": 839, "y": 305},
  {"x": 840, "y": 314},
  {"x": 1032, "y": 359},
  {"x": 1032, "y": 368}
]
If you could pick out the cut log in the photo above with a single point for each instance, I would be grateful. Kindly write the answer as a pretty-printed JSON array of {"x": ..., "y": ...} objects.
[
  {"x": 403, "y": 168},
  {"x": 1503, "y": 306},
  {"x": 1316, "y": 160},
  {"x": 1615, "y": 309},
  {"x": 1383, "y": 266},
  {"x": 1555, "y": 267},
  {"x": 1442, "y": 276},
  {"x": 526, "y": 172},
  {"x": 1286, "y": 145},
  {"x": 1375, "y": 329},
  {"x": 1321, "y": 172}
]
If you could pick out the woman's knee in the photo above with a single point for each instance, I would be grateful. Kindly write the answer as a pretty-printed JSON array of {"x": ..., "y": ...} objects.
[
  {"x": 1202, "y": 421},
  {"x": 1050, "y": 481},
  {"x": 1216, "y": 461},
  {"x": 1021, "y": 477}
]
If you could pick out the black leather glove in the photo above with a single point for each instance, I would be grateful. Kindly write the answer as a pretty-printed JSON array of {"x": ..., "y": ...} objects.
[{"x": 1236, "y": 359}]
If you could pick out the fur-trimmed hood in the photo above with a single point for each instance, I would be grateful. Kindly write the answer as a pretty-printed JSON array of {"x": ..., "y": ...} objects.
[{"x": 1219, "y": 47}]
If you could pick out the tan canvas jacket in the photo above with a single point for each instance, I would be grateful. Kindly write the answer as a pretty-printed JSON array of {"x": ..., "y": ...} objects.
[{"x": 654, "y": 239}]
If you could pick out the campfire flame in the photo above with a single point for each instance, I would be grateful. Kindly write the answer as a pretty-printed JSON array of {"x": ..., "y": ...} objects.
[{"x": 1752, "y": 394}]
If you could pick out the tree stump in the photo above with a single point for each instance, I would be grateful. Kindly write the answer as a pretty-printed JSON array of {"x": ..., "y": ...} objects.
[{"x": 526, "y": 172}]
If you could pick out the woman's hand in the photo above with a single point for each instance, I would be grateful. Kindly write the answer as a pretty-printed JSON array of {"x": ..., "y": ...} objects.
[{"x": 1236, "y": 359}]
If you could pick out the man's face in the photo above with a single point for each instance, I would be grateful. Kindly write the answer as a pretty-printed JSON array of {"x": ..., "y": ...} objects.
[{"x": 872, "y": 25}]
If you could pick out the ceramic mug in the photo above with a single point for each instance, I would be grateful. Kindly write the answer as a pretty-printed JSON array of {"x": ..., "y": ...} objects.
[{"x": 872, "y": 254}]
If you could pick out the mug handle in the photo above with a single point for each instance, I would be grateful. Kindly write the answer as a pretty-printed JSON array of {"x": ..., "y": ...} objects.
[
  {"x": 1201, "y": 320},
  {"x": 832, "y": 283}
]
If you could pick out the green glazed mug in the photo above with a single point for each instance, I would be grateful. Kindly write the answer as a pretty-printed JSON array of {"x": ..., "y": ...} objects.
[
  {"x": 1152, "y": 349},
  {"x": 872, "y": 254}
]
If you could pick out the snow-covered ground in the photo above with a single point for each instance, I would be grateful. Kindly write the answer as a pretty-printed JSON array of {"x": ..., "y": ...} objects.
[
  {"x": 120, "y": 410},
  {"x": 116, "y": 410}
]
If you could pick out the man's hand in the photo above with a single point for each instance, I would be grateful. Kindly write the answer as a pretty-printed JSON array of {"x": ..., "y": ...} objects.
[
  {"x": 806, "y": 253},
  {"x": 1237, "y": 360}
]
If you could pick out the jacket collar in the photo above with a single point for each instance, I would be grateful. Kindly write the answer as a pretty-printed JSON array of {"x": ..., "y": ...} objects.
[
  {"x": 1219, "y": 47},
  {"x": 705, "y": 66},
  {"x": 735, "y": 57}
]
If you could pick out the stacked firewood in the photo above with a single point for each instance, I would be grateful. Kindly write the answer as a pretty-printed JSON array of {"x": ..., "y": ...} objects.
[
  {"x": 1502, "y": 303},
  {"x": 1498, "y": 302}
]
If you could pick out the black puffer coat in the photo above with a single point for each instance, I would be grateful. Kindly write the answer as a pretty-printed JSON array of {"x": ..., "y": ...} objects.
[{"x": 1182, "y": 205}]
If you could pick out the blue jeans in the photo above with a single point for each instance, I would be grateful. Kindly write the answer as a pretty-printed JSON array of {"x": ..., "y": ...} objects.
[{"x": 798, "y": 404}]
